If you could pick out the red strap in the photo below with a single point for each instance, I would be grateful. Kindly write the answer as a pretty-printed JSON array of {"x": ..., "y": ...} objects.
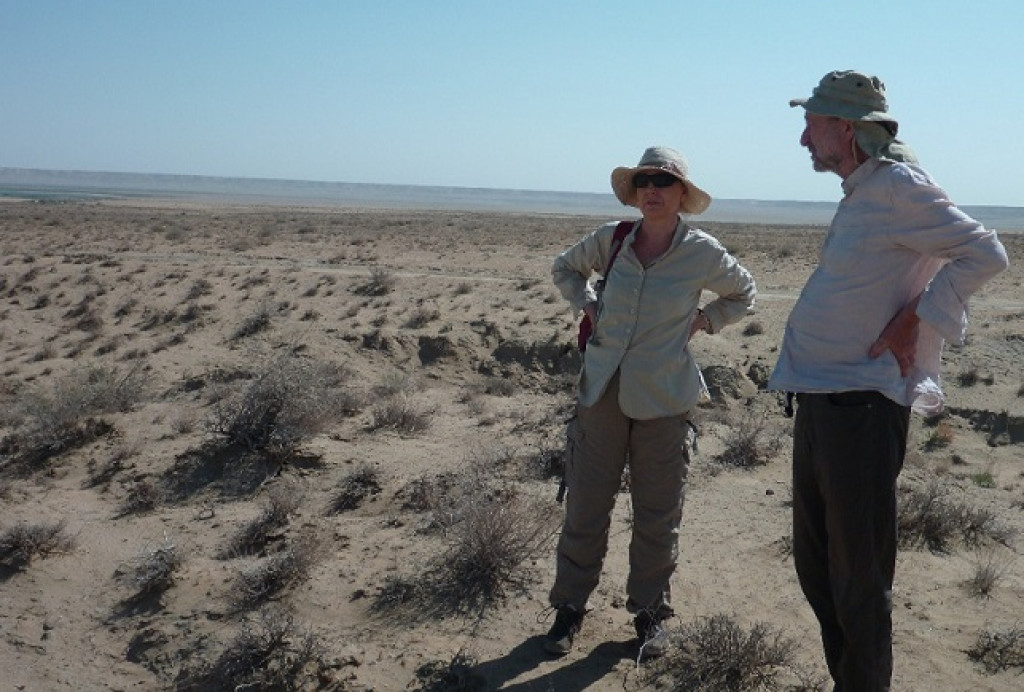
[{"x": 621, "y": 231}]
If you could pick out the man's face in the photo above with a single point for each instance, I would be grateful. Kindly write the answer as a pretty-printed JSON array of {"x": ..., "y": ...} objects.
[{"x": 828, "y": 141}]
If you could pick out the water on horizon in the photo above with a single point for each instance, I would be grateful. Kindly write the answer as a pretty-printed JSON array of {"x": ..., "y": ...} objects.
[{"x": 43, "y": 185}]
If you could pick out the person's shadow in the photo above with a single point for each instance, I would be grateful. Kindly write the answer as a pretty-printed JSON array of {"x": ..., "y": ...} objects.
[{"x": 573, "y": 677}]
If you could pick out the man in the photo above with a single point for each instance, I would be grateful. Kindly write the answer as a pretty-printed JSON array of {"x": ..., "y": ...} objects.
[{"x": 860, "y": 351}]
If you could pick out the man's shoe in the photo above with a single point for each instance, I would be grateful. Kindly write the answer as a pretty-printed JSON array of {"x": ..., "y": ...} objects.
[
  {"x": 567, "y": 625},
  {"x": 652, "y": 636}
]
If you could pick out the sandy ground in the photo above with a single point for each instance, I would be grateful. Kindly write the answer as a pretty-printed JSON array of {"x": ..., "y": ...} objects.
[{"x": 426, "y": 363}]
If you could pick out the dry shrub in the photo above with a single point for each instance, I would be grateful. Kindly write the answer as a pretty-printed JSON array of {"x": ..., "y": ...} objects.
[
  {"x": 999, "y": 650},
  {"x": 52, "y": 420},
  {"x": 152, "y": 570},
  {"x": 749, "y": 442},
  {"x": 402, "y": 414},
  {"x": 395, "y": 383},
  {"x": 282, "y": 500},
  {"x": 491, "y": 534},
  {"x": 355, "y": 487},
  {"x": 270, "y": 652},
  {"x": 382, "y": 281},
  {"x": 718, "y": 654},
  {"x": 144, "y": 495},
  {"x": 754, "y": 328},
  {"x": 269, "y": 576},
  {"x": 289, "y": 401},
  {"x": 255, "y": 323},
  {"x": 989, "y": 569},
  {"x": 429, "y": 493},
  {"x": 23, "y": 542},
  {"x": 941, "y": 435},
  {"x": 928, "y": 518},
  {"x": 450, "y": 676},
  {"x": 422, "y": 316}
]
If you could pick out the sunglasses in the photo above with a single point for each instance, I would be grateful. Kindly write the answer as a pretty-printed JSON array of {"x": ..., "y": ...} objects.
[{"x": 641, "y": 180}]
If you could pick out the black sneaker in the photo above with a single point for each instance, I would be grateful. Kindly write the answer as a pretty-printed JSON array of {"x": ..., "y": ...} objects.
[
  {"x": 559, "y": 638},
  {"x": 653, "y": 637}
]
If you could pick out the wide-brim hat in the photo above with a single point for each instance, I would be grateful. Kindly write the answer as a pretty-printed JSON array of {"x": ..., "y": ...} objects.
[
  {"x": 850, "y": 95},
  {"x": 665, "y": 160}
]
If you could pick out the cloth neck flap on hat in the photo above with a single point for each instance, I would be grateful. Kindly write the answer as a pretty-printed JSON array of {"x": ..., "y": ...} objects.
[{"x": 878, "y": 143}]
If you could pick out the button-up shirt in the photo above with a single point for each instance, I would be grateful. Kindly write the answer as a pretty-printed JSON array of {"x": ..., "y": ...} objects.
[
  {"x": 645, "y": 314},
  {"x": 894, "y": 235}
]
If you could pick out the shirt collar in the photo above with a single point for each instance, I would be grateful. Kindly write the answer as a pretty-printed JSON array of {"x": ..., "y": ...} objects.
[{"x": 862, "y": 173}]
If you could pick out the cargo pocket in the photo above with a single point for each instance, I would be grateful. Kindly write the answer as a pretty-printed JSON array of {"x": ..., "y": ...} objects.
[{"x": 572, "y": 445}]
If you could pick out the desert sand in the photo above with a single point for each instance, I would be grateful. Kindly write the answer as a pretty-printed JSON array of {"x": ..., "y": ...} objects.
[{"x": 247, "y": 444}]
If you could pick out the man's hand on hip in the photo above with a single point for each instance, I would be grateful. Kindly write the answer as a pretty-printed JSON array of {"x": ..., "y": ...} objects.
[{"x": 900, "y": 337}]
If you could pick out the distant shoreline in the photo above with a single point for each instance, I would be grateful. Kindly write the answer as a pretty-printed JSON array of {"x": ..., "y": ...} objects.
[{"x": 52, "y": 186}]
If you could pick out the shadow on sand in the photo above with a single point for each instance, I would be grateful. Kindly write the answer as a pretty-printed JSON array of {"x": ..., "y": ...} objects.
[{"x": 573, "y": 676}]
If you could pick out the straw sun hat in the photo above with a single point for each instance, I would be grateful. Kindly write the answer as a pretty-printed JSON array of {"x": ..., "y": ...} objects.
[{"x": 665, "y": 160}]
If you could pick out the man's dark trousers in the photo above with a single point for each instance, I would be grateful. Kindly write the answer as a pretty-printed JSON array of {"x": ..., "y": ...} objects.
[{"x": 848, "y": 449}]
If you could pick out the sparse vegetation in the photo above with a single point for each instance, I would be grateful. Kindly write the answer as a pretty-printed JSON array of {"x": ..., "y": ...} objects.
[
  {"x": 717, "y": 653},
  {"x": 412, "y": 556},
  {"x": 287, "y": 402},
  {"x": 753, "y": 328},
  {"x": 270, "y": 652},
  {"x": 989, "y": 568},
  {"x": 999, "y": 650},
  {"x": 402, "y": 414},
  {"x": 53, "y": 419},
  {"x": 941, "y": 435},
  {"x": 22, "y": 543},
  {"x": 268, "y": 576},
  {"x": 282, "y": 500},
  {"x": 355, "y": 487},
  {"x": 152, "y": 571},
  {"x": 255, "y": 323},
  {"x": 750, "y": 442},
  {"x": 456, "y": 675},
  {"x": 929, "y": 518},
  {"x": 381, "y": 282}
]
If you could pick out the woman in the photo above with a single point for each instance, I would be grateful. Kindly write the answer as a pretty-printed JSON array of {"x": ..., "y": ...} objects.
[{"x": 636, "y": 386}]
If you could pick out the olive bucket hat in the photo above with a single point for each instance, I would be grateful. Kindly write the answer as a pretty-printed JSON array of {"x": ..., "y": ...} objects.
[
  {"x": 849, "y": 95},
  {"x": 860, "y": 98},
  {"x": 664, "y": 160}
]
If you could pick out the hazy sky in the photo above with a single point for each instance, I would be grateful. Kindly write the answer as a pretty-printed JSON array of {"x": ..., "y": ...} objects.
[{"x": 502, "y": 93}]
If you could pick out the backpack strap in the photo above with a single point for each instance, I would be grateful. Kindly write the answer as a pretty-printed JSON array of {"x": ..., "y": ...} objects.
[
  {"x": 586, "y": 327},
  {"x": 621, "y": 231}
]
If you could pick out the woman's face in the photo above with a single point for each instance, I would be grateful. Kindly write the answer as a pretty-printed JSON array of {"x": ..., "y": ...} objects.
[{"x": 658, "y": 194}]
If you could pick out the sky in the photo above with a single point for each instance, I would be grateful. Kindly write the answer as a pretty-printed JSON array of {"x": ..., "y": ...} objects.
[{"x": 519, "y": 94}]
